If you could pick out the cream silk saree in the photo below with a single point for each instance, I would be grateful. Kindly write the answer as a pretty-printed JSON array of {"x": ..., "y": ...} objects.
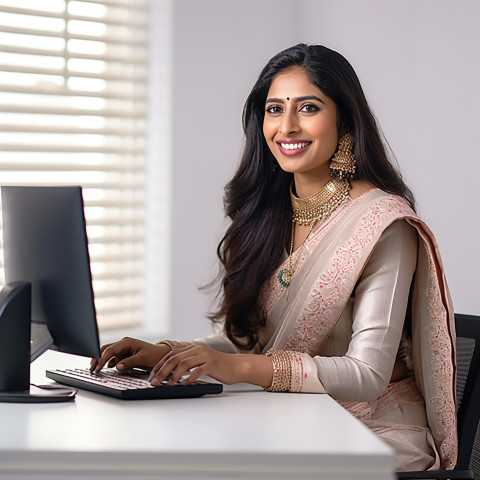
[{"x": 341, "y": 344}]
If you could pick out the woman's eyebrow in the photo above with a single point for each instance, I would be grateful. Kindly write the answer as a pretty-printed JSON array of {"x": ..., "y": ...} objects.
[{"x": 296, "y": 99}]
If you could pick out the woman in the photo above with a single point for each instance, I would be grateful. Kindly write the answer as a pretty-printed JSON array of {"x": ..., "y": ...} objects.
[{"x": 331, "y": 283}]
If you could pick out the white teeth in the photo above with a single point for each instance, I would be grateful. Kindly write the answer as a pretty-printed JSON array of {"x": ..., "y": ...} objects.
[{"x": 294, "y": 146}]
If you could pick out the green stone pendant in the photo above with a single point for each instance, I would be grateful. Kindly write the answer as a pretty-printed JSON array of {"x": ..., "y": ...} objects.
[{"x": 284, "y": 278}]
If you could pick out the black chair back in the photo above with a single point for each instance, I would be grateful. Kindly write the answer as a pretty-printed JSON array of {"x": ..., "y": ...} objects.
[
  {"x": 468, "y": 385},
  {"x": 468, "y": 404}
]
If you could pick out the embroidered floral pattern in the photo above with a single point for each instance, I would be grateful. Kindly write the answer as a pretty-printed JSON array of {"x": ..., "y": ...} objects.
[
  {"x": 360, "y": 410},
  {"x": 327, "y": 299},
  {"x": 297, "y": 372},
  {"x": 272, "y": 290},
  {"x": 405, "y": 389},
  {"x": 439, "y": 340},
  {"x": 319, "y": 315},
  {"x": 397, "y": 393}
]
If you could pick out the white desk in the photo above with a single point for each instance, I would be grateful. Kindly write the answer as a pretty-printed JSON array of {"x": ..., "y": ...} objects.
[{"x": 245, "y": 433}]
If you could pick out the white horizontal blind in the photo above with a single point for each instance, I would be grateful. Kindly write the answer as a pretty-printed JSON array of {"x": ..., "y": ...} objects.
[{"x": 73, "y": 85}]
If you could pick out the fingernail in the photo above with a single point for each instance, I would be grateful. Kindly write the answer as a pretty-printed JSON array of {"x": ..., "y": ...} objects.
[
  {"x": 154, "y": 381},
  {"x": 120, "y": 366}
]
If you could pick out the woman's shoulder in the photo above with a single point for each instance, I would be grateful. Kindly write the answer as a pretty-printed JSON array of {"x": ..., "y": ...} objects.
[
  {"x": 359, "y": 187},
  {"x": 364, "y": 189},
  {"x": 367, "y": 196}
]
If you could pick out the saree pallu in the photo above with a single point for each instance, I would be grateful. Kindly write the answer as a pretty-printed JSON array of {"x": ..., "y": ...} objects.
[
  {"x": 416, "y": 414},
  {"x": 327, "y": 272}
]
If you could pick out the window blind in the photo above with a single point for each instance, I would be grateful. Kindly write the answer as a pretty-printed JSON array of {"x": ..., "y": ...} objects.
[{"x": 73, "y": 87}]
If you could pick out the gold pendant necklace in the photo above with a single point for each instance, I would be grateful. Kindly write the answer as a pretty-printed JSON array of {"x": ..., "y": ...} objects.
[
  {"x": 285, "y": 275},
  {"x": 308, "y": 211}
]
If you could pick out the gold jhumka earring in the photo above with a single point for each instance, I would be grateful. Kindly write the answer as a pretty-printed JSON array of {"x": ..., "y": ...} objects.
[{"x": 343, "y": 163}]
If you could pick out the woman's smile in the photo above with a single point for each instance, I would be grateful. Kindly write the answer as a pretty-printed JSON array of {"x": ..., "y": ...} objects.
[{"x": 293, "y": 147}]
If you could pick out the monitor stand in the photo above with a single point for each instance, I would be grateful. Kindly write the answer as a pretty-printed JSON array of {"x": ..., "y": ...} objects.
[{"x": 15, "y": 320}]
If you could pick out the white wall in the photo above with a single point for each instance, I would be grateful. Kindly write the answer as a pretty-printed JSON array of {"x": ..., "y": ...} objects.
[
  {"x": 219, "y": 49},
  {"x": 419, "y": 63}
]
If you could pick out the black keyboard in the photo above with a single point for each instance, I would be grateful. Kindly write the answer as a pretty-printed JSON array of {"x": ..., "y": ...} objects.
[{"x": 131, "y": 385}]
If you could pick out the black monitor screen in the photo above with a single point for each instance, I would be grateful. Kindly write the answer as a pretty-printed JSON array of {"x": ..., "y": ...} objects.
[{"x": 45, "y": 243}]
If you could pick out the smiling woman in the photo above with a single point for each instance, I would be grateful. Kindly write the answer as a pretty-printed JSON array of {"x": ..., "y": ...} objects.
[
  {"x": 330, "y": 282},
  {"x": 301, "y": 132}
]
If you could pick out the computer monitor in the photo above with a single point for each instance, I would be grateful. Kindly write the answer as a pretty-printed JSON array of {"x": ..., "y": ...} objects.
[{"x": 45, "y": 251}]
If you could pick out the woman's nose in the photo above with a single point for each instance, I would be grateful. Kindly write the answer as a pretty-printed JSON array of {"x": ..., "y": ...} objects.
[{"x": 289, "y": 123}]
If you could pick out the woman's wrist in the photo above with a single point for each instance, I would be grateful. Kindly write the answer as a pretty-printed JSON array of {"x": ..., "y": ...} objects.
[
  {"x": 255, "y": 369},
  {"x": 173, "y": 344}
]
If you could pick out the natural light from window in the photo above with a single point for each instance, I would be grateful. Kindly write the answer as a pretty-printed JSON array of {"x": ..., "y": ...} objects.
[{"x": 73, "y": 86}]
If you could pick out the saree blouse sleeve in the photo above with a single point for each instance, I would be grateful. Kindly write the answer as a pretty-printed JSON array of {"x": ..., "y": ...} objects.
[
  {"x": 217, "y": 341},
  {"x": 378, "y": 313},
  {"x": 359, "y": 366}
]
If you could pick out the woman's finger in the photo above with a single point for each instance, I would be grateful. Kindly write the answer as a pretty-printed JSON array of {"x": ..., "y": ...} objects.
[
  {"x": 162, "y": 370},
  {"x": 103, "y": 347},
  {"x": 168, "y": 356},
  {"x": 184, "y": 367},
  {"x": 174, "y": 367},
  {"x": 195, "y": 374},
  {"x": 112, "y": 350},
  {"x": 94, "y": 361}
]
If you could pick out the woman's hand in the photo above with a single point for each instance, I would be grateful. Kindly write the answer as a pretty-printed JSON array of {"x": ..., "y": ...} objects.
[
  {"x": 225, "y": 367},
  {"x": 129, "y": 353}
]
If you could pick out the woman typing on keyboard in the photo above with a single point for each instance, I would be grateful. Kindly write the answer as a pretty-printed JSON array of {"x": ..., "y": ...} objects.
[{"x": 330, "y": 282}]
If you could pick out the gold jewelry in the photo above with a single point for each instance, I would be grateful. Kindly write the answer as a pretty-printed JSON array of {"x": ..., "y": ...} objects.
[
  {"x": 282, "y": 370},
  {"x": 320, "y": 205},
  {"x": 343, "y": 162},
  {"x": 173, "y": 344},
  {"x": 166, "y": 342},
  {"x": 308, "y": 211},
  {"x": 285, "y": 275}
]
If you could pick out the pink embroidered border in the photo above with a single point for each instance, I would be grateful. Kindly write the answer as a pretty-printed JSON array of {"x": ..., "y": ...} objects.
[
  {"x": 272, "y": 290},
  {"x": 297, "y": 372},
  {"x": 405, "y": 390},
  {"x": 319, "y": 315},
  {"x": 438, "y": 337}
]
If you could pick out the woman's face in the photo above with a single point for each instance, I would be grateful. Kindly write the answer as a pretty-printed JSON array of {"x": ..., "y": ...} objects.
[{"x": 300, "y": 126}]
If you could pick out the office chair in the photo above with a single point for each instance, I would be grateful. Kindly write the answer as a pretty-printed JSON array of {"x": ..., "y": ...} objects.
[{"x": 468, "y": 398}]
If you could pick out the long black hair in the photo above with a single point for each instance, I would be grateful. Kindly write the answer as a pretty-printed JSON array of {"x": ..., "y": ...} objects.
[{"x": 257, "y": 198}]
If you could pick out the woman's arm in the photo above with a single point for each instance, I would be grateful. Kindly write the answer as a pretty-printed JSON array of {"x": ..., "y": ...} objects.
[
  {"x": 378, "y": 315},
  {"x": 227, "y": 368},
  {"x": 376, "y": 319},
  {"x": 362, "y": 374}
]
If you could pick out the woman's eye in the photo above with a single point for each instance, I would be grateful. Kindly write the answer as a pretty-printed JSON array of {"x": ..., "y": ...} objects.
[
  {"x": 309, "y": 108},
  {"x": 274, "y": 109}
]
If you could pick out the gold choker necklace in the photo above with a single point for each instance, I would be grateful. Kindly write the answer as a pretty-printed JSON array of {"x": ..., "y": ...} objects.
[
  {"x": 308, "y": 211},
  {"x": 320, "y": 205}
]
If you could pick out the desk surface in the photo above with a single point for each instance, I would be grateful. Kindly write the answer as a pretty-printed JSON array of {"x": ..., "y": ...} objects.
[{"x": 243, "y": 433}]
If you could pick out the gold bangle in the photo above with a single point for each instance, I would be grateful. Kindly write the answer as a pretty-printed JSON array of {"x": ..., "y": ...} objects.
[
  {"x": 167, "y": 342},
  {"x": 282, "y": 370},
  {"x": 173, "y": 344}
]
